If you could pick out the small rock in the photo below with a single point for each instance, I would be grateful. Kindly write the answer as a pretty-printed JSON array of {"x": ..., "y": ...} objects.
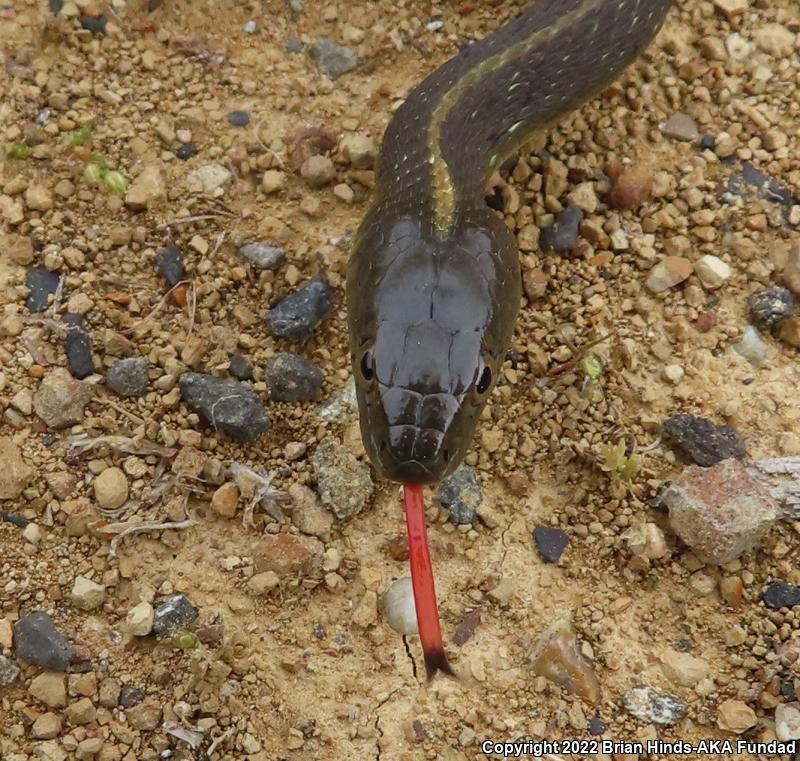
[
  {"x": 550, "y": 542},
  {"x": 226, "y": 500},
  {"x": 787, "y": 721},
  {"x": 289, "y": 555},
  {"x": 673, "y": 373},
  {"x": 461, "y": 495},
  {"x": 333, "y": 60},
  {"x": 78, "y": 347},
  {"x": 769, "y": 306},
  {"x": 683, "y": 669},
  {"x": 751, "y": 347},
  {"x": 239, "y": 118},
  {"x": 146, "y": 716},
  {"x": 681, "y": 126},
  {"x": 779, "y": 594},
  {"x": 81, "y": 712},
  {"x": 534, "y": 283},
  {"x": 228, "y": 405},
  {"x": 46, "y": 727},
  {"x": 318, "y": 171},
  {"x": 176, "y": 612},
  {"x": 49, "y": 688},
  {"x": 130, "y": 696},
  {"x": 148, "y": 187},
  {"x": 111, "y": 488},
  {"x": 186, "y": 151},
  {"x": 263, "y": 584},
  {"x": 366, "y": 612},
  {"x": 562, "y": 235},
  {"x": 42, "y": 284},
  {"x": 359, "y": 151},
  {"x": 139, "y": 620},
  {"x": 776, "y": 40},
  {"x": 18, "y": 248},
  {"x": 240, "y": 368},
  {"x": 308, "y": 515},
  {"x": 8, "y": 672},
  {"x": 712, "y": 271},
  {"x": 128, "y": 377},
  {"x": 263, "y": 256},
  {"x": 398, "y": 608},
  {"x": 735, "y": 716},
  {"x": 632, "y": 187},
  {"x": 93, "y": 24},
  {"x": 292, "y": 378},
  {"x": 702, "y": 441},
  {"x": 343, "y": 481},
  {"x": 38, "y": 198},
  {"x": 273, "y": 181},
  {"x": 209, "y": 178},
  {"x": 170, "y": 265},
  {"x": 38, "y": 642},
  {"x": 652, "y": 706},
  {"x": 731, "y": 590},
  {"x": 60, "y": 399},
  {"x": 295, "y": 317},
  {"x": 720, "y": 512},
  {"x": 15, "y": 474},
  {"x": 109, "y": 692},
  {"x": 87, "y": 594},
  {"x": 647, "y": 540},
  {"x": 341, "y": 407},
  {"x": 669, "y": 272},
  {"x": 789, "y": 331}
]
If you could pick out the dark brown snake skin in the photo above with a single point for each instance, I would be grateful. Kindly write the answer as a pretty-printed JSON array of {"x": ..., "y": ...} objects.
[{"x": 433, "y": 286}]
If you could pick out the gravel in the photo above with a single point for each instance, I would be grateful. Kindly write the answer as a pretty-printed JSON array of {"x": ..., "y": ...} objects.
[
  {"x": 37, "y": 641},
  {"x": 8, "y": 671},
  {"x": 61, "y": 400},
  {"x": 702, "y": 441},
  {"x": 42, "y": 284},
  {"x": 263, "y": 256},
  {"x": 128, "y": 377},
  {"x": 562, "y": 235},
  {"x": 769, "y": 306},
  {"x": 240, "y": 368},
  {"x": 176, "y": 612},
  {"x": 170, "y": 265},
  {"x": 228, "y": 405},
  {"x": 296, "y": 316},
  {"x": 461, "y": 495},
  {"x": 652, "y": 706},
  {"x": 292, "y": 378},
  {"x": 779, "y": 594},
  {"x": 343, "y": 481},
  {"x": 550, "y": 542},
  {"x": 78, "y": 347},
  {"x": 333, "y": 60}
]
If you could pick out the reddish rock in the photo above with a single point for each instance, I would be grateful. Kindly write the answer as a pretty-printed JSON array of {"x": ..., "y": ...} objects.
[
  {"x": 289, "y": 555},
  {"x": 631, "y": 188}
]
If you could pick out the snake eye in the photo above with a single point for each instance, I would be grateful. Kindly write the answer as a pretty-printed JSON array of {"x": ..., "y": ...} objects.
[
  {"x": 367, "y": 365},
  {"x": 484, "y": 380}
]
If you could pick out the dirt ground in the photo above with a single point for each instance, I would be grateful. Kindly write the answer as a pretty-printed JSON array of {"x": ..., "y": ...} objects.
[{"x": 307, "y": 669}]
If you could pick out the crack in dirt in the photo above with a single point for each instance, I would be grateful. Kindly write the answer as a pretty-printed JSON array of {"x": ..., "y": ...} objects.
[
  {"x": 410, "y": 656},
  {"x": 378, "y": 714}
]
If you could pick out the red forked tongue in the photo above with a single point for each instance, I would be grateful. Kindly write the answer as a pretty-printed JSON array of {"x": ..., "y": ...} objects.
[{"x": 430, "y": 633}]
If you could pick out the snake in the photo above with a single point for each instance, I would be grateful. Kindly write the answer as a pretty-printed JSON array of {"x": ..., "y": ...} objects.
[{"x": 433, "y": 284}]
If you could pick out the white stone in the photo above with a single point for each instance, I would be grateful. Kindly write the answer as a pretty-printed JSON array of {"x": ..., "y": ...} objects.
[
  {"x": 139, "y": 620},
  {"x": 712, "y": 271},
  {"x": 87, "y": 594},
  {"x": 787, "y": 721}
]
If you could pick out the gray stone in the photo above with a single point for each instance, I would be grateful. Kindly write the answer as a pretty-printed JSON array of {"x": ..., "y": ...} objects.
[
  {"x": 333, "y": 60},
  {"x": 701, "y": 441},
  {"x": 343, "y": 481},
  {"x": 8, "y": 671},
  {"x": 652, "y": 706},
  {"x": 263, "y": 256},
  {"x": 461, "y": 495},
  {"x": 297, "y": 315},
  {"x": 128, "y": 377},
  {"x": 292, "y": 378},
  {"x": 38, "y": 642},
  {"x": 176, "y": 612}
]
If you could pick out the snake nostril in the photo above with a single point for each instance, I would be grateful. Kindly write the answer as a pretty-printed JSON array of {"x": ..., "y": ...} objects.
[{"x": 446, "y": 455}]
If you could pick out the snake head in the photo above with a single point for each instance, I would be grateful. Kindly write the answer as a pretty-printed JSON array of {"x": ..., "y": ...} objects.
[{"x": 430, "y": 320}]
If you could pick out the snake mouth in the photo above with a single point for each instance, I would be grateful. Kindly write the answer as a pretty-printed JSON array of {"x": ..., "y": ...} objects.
[{"x": 412, "y": 454}]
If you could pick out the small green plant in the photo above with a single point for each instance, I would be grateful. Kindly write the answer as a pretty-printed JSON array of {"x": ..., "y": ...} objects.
[
  {"x": 80, "y": 136},
  {"x": 182, "y": 640},
  {"x": 97, "y": 171},
  {"x": 591, "y": 366},
  {"x": 16, "y": 150},
  {"x": 614, "y": 460}
]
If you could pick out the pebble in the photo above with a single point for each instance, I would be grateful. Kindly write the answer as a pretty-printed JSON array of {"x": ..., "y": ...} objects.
[
  {"x": 46, "y": 727},
  {"x": 42, "y": 284},
  {"x": 669, "y": 272},
  {"x": 128, "y": 377},
  {"x": 562, "y": 235},
  {"x": 360, "y": 151},
  {"x": 139, "y": 621},
  {"x": 240, "y": 368},
  {"x": 111, "y": 488},
  {"x": 631, "y": 188},
  {"x": 170, "y": 265},
  {"x": 130, "y": 696},
  {"x": 60, "y": 399},
  {"x": 791, "y": 271},
  {"x": 38, "y": 198},
  {"x": 148, "y": 187},
  {"x": 289, "y": 555},
  {"x": 751, "y": 347},
  {"x": 8, "y": 672},
  {"x": 176, "y": 612},
  {"x": 712, "y": 271},
  {"x": 366, "y": 612},
  {"x": 550, "y": 542},
  {"x": 93, "y": 24},
  {"x": 701, "y": 441},
  {"x": 49, "y": 688},
  {"x": 16, "y": 474},
  {"x": 787, "y": 721},
  {"x": 318, "y": 171},
  {"x": 273, "y": 181},
  {"x": 308, "y": 515},
  {"x": 333, "y": 60},
  {"x": 226, "y": 500},
  {"x": 683, "y": 669},
  {"x": 37, "y": 641},
  {"x": 228, "y": 405},
  {"x": 789, "y": 331},
  {"x": 735, "y": 716},
  {"x": 769, "y": 306},
  {"x": 295, "y": 317},
  {"x": 681, "y": 126},
  {"x": 239, "y": 118},
  {"x": 185, "y": 151},
  {"x": 263, "y": 583},
  {"x": 87, "y": 594},
  {"x": 145, "y": 716},
  {"x": 341, "y": 407},
  {"x": 78, "y": 347},
  {"x": 263, "y": 256},
  {"x": 343, "y": 481},
  {"x": 292, "y": 378},
  {"x": 209, "y": 178},
  {"x": 720, "y": 512},
  {"x": 18, "y": 248},
  {"x": 673, "y": 373},
  {"x": 461, "y": 495},
  {"x": 779, "y": 594},
  {"x": 652, "y": 706}
]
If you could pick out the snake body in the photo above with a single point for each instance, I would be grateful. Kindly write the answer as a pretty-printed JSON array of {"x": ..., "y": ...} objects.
[{"x": 433, "y": 285}]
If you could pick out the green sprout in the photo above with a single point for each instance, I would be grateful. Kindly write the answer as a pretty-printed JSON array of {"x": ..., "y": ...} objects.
[
  {"x": 613, "y": 460},
  {"x": 591, "y": 366},
  {"x": 16, "y": 150},
  {"x": 80, "y": 136},
  {"x": 96, "y": 171},
  {"x": 182, "y": 640}
]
